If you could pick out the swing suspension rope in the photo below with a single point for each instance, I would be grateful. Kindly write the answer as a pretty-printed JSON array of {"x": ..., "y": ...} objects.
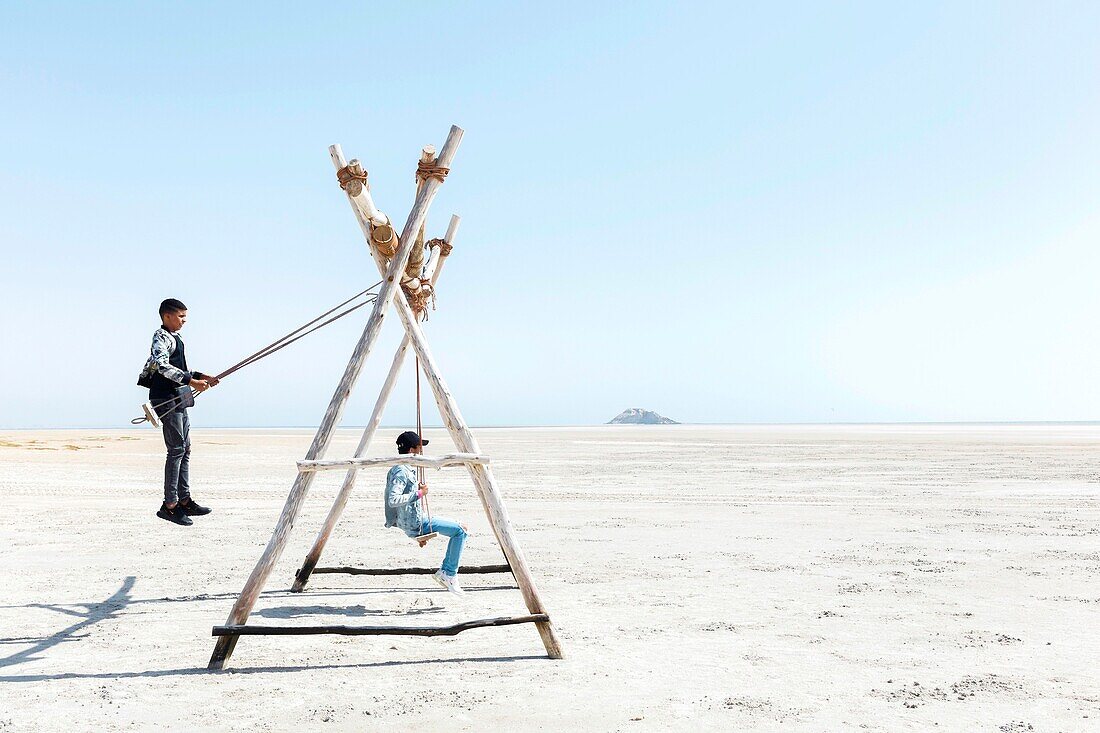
[
  {"x": 281, "y": 343},
  {"x": 420, "y": 469}
]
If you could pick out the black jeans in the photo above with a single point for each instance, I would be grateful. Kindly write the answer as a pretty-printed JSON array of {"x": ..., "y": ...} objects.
[{"x": 177, "y": 439}]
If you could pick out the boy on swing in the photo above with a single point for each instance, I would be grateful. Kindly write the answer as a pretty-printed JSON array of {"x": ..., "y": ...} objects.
[
  {"x": 168, "y": 377},
  {"x": 404, "y": 496}
]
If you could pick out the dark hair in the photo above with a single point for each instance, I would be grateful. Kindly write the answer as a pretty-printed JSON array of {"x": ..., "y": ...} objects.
[
  {"x": 171, "y": 305},
  {"x": 403, "y": 449}
]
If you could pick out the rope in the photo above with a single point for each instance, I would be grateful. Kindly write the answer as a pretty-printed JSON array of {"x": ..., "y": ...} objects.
[
  {"x": 426, "y": 170},
  {"x": 420, "y": 432},
  {"x": 386, "y": 246},
  {"x": 280, "y": 343},
  {"x": 296, "y": 334},
  {"x": 422, "y": 297},
  {"x": 445, "y": 247},
  {"x": 349, "y": 175},
  {"x": 419, "y": 299}
]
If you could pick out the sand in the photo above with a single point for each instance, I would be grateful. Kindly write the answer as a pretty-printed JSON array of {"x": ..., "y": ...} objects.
[{"x": 733, "y": 578}]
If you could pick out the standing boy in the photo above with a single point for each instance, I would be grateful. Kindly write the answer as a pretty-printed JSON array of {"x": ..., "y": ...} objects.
[
  {"x": 170, "y": 379},
  {"x": 403, "y": 499}
]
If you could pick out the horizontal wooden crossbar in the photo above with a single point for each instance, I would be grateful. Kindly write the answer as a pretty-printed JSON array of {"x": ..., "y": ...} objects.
[
  {"x": 466, "y": 570},
  {"x": 248, "y": 630},
  {"x": 451, "y": 459}
]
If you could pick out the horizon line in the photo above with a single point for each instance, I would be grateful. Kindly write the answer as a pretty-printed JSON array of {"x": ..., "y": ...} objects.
[{"x": 500, "y": 426}]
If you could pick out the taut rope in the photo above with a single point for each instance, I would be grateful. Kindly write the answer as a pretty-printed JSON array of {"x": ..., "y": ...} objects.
[
  {"x": 280, "y": 343},
  {"x": 420, "y": 432}
]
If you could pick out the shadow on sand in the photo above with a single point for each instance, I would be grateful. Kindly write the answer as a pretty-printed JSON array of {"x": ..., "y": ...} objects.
[
  {"x": 90, "y": 614},
  {"x": 285, "y": 612},
  {"x": 93, "y": 613},
  {"x": 255, "y": 670}
]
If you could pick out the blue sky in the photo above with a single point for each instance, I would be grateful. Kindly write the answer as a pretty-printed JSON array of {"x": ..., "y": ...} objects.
[{"x": 723, "y": 212}]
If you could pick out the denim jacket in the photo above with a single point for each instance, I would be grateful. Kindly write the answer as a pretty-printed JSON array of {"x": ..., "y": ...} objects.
[{"x": 402, "y": 499}]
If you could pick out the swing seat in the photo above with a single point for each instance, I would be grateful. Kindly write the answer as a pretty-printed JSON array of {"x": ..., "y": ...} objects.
[
  {"x": 426, "y": 537},
  {"x": 151, "y": 414}
]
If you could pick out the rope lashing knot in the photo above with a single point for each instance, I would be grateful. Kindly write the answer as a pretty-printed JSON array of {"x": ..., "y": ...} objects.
[
  {"x": 384, "y": 240},
  {"x": 352, "y": 178},
  {"x": 426, "y": 170},
  {"x": 444, "y": 246},
  {"x": 419, "y": 299}
]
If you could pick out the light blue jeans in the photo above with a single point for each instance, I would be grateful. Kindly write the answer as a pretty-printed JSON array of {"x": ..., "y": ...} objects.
[{"x": 447, "y": 528}]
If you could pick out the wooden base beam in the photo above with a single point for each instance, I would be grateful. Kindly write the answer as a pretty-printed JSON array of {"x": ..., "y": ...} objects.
[{"x": 249, "y": 630}]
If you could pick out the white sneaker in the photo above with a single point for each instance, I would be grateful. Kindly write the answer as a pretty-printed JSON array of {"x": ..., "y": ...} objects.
[{"x": 450, "y": 582}]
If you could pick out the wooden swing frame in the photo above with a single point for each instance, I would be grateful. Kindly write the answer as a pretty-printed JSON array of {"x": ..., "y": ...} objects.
[{"x": 379, "y": 233}]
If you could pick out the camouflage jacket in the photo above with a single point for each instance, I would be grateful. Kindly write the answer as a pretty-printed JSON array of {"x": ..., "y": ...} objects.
[{"x": 160, "y": 353}]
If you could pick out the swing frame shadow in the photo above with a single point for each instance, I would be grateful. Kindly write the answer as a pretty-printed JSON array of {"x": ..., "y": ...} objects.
[
  {"x": 115, "y": 606},
  {"x": 192, "y": 671}
]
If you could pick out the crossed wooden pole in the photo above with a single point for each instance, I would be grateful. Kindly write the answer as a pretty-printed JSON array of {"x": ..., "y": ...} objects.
[{"x": 376, "y": 228}]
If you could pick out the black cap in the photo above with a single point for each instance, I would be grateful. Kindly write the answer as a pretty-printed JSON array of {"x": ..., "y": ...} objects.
[{"x": 409, "y": 439}]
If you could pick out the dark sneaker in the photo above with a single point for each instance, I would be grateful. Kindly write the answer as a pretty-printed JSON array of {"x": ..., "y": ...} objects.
[
  {"x": 193, "y": 509},
  {"x": 175, "y": 514}
]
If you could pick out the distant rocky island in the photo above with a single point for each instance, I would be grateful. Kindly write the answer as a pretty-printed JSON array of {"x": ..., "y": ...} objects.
[{"x": 638, "y": 416}]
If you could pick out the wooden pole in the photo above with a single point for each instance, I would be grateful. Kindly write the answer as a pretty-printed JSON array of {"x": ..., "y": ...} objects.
[
  {"x": 427, "y": 155},
  {"x": 413, "y": 278},
  {"x": 361, "y": 197},
  {"x": 354, "y": 464},
  {"x": 435, "y": 261},
  {"x": 314, "y": 554},
  {"x": 482, "y": 476},
  {"x": 390, "y": 285}
]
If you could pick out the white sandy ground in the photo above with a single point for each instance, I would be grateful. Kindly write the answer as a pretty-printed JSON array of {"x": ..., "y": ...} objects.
[{"x": 720, "y": 578}]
